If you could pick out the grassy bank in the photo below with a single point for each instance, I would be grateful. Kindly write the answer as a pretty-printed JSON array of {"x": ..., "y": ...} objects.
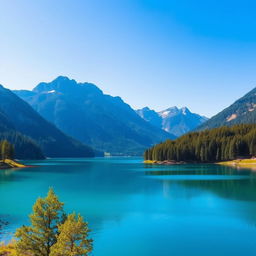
[
  {"x": 8, "y": 163},
  {"x": 243, "y": 163}
]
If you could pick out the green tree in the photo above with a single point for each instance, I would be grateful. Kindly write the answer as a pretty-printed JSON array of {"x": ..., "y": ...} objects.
[
  {"x": 38, "y": 238},
  {"x": 7, "y": 150},
  {"x": 73, "y": 238}
]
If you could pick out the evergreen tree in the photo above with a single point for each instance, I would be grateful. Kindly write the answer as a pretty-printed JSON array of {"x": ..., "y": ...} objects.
[
  {"x": 38, "y": 238},
  {"x": 73, "y": 238},
  {"x": 7, "y": 150},
  {"x": 52, "y": 233}
]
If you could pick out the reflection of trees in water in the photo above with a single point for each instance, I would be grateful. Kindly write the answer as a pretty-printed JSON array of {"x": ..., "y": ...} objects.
[
  {"x": 243, "y": 191},
  {"x": 199, "y": 170},
  {"x": 236, "y": 185},
  {"x": 240, "y": 186},
  {"x": 234, "y": 189}
]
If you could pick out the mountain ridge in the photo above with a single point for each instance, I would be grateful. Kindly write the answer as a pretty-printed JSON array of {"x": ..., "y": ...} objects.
[
  {"x": 28, "y": 122},
  {"x": 242, "y": 111},
  {"x": 84, "y": 112}
]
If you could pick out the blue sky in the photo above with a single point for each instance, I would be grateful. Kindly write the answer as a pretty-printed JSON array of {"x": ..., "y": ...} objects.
[{"x": 156, "y": 53}]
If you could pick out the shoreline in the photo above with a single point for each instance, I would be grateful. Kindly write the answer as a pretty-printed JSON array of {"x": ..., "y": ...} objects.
[
  {"x": 246, "y": 163},
  {"x": 241, "y": 163},
  {"x": 165, "y": 162},
  {"x": 8, "y": 164}
]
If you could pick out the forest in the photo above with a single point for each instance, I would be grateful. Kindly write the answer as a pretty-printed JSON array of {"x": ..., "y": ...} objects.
[
  {"x": 25, "y": 147},
  {"x": 219, "y": 144}
]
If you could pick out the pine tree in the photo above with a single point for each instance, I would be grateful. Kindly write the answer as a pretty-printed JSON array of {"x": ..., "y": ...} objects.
[
  {"x": 73, "y": 238},
  {"x": 4, "y": 149},
  {"x": 38, "y": 238}
]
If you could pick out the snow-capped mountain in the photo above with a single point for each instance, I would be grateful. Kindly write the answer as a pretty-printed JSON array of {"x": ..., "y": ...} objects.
[{"x": 174, "y": 120}]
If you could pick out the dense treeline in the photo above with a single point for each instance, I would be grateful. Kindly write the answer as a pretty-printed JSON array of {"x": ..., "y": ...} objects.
[
  {"x": 219, "y": 144},
  {"x": 25, "y": 147}
]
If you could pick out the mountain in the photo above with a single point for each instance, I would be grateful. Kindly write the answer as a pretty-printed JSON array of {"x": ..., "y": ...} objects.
[
  {"x": 150, "y": 116},
  {"x": 242, "y": 111},
  {"x": 84, "y": 112},
  {"x": 25, "y": 147},
  {"x": 16, "y": 115},
  {"x": 173, "y": 120}
]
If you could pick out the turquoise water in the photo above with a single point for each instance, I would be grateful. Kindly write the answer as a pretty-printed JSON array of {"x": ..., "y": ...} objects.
[{"x": 137, "y": 209}]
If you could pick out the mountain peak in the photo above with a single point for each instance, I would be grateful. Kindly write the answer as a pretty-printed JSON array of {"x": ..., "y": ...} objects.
[
  {"x": 62, "y": 78},
  {"x": 169, "y": 112},
  {"x": 145, "y": 109},
  {"x": 174, "y": 108},
  {"x": 64, "y": 84},
  {"x": 174, "y": 120},
  {"x": 185, "y": 110},
  {"x": 105, "y": 122},
  {"x": 172, "y": 111},
  {"x": 58, "y": 83}
]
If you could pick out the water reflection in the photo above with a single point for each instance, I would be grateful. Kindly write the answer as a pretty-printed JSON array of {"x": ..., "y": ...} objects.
[
  {"x": 151, "y": 206},
  {"x": 237, "y": 184}
]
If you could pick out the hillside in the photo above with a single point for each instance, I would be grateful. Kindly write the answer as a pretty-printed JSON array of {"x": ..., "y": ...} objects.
[
  {"x": 17, "y": 119},
  {"x": 84, "y": 112},
  {"x": 177, "y": 121},
  {"x": 25, "y": 147},
  {"x": 242, "y": 111}
]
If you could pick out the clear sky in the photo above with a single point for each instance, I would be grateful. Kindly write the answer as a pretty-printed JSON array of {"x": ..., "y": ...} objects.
[{"x": 156, "y": 53}]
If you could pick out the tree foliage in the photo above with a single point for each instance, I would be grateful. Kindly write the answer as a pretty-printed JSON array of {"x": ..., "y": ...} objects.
[
  {"x": 38, "y": 238},
  {"x": 73, "y": 238},
  {"x": 219, "y": 144},
  {"x": 6, "y": 150},
  {"x": 51, "y": 232}
]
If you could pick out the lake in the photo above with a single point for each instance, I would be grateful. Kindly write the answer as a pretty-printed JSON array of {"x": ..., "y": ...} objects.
[{"x": 142, "y": 210}]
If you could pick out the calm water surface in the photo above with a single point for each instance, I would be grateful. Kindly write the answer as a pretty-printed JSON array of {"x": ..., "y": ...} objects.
[{"x": 142, "y": 210}]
